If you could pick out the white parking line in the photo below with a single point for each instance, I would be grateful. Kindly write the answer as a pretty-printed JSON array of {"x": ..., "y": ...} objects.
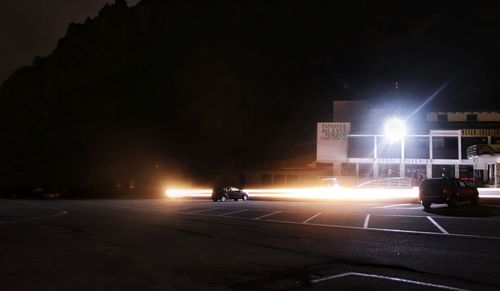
[
  {"x": 312, "y": 217},
  {"x": 401, "y": 280},
  {"x": 437, "y": 225},
  {"x": 330, "y": 225},
  {"x": 391, "y": 206},
  {"x": 203, "y": 210},
  {"x": 367, "y": 220},
  {"x": 381, "y": 229},
  {"x": 399, "y": 215},
  {"x": 258, "y": 218},
  {"x": 238, "y": 211}
]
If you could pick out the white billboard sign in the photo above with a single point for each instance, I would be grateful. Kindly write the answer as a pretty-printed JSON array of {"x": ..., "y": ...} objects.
[{"x": 332, "y": 139}]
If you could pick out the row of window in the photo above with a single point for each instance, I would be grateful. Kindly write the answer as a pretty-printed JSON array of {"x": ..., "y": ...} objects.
[
  {"x": 288, "y": 179},
  {"x": 469, "y": 117},
  {"x": 411, "y": 171},
  {"x": 414, "y": 147}
]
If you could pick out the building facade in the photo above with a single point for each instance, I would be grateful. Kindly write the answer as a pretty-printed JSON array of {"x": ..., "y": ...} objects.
[{"x": 435, "y": 146}]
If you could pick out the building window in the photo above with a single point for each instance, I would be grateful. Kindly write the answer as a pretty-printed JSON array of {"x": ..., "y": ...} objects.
[
  {"x": 360, "y": 147},
  {"x": 466, "y": 173},
  {"x": 388, "y": 170},
  {"x": 416, "y": 172},
  {"x": 471, "y": 117},
  {"x": 443, "y": 171},
  {"x": 388, "y": 149},
  {"x": 442, "y": 117},
  {"x": 348, "y": 169},
  {"x": 417, "y": 148},
  {"x": 445, "y": 147},
  {"x": 365, "y": 170}
]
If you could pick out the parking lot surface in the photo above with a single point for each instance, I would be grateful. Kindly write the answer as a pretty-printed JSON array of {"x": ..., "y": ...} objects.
[
  {"x": 466, "y": 221},
  {"x": 269, "y": 245}
]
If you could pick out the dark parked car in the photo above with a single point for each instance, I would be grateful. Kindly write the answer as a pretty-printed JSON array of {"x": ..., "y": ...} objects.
[
  {"x": 225, "y": 193},
  {"x": 446, "y": 190}
]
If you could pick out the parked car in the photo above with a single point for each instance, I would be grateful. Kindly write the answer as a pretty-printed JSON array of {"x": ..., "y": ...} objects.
[
  {"x": 329, "y": 182},
  {"x": 447, "y": 190},
  {"x": 224, "y": 193}
]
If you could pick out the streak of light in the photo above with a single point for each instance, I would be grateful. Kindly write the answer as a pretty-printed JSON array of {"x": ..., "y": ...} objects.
[
  {"x": 333, "y": 193},
  {"x": 430, "y": 98},
  {"x": 489, "y": 192},
  {"x": 326, "y": 193},
  {"x": 178, "y": 193}
]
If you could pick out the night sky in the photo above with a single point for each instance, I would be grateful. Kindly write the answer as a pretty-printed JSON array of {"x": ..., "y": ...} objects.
[
  {"x": 455, "y": 42},
  {"x": 196, "y": 85}
]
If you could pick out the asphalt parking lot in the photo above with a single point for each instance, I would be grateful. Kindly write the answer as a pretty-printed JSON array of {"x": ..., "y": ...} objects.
[
  {"x": 271, "y": 245},
  {"x": 466, "y": 221},
  {"x": 482, "y": 221}
]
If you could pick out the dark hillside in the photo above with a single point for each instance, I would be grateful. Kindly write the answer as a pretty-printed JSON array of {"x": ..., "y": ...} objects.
[{"x": 191, "y": 85}]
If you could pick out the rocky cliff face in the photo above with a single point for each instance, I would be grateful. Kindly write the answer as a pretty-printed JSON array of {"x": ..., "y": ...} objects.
[{"x": 197, "y": 83}]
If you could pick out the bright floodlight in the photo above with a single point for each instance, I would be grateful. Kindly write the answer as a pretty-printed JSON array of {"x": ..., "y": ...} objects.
[{"x": 395, "y": 128}]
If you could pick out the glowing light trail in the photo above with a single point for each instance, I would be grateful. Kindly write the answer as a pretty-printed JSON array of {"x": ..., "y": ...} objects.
[
  {"x": 334, "y": 193},
  {"x": 322, "y": 193}
]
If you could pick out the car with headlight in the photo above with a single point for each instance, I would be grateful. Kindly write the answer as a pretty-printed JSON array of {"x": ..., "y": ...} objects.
[
  {"x": 224, "y": 193},
  {"x": 447, "y": 190}
]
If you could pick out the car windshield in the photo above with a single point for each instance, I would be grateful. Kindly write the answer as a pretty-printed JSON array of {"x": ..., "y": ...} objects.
[{"x": 432, "y": 183}]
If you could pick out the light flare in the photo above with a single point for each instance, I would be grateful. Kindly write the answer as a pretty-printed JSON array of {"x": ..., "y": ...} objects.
[
  {"x": 178, "y": 193},
  {"x": 395, "y": 128}
]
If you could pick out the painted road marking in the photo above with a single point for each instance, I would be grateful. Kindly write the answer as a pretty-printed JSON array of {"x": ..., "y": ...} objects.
[
  {"x": 367, "y": 220},
  {"x": 401, "y": 280},
  {"x": 382, "y": 229},
  {"x": 391, "y": 206},
  {"x": 266, "y": 215},
  {"x": 437, "y": 225},
  {"x": 203, "y": 210},
  {"x": 326, "y": 225},
  {"x": 238, "y": 211},
  {"x": 398, "y": 215},
  {"x": 312, "y": 217}
]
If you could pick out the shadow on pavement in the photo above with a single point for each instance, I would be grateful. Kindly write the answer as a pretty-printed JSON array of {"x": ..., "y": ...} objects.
[{"x": 466, "y": 211}]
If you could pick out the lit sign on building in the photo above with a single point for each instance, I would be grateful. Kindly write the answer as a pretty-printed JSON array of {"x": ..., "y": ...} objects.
[
  {"x": 417, "y": 161},
  {"x": 405, "y": 161},
  {"x": 332, "y": 141},
  {"x": 481, "y": 132}
]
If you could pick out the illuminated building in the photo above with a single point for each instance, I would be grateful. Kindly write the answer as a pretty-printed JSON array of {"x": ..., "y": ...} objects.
[{"x": 434, "y": 145}]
